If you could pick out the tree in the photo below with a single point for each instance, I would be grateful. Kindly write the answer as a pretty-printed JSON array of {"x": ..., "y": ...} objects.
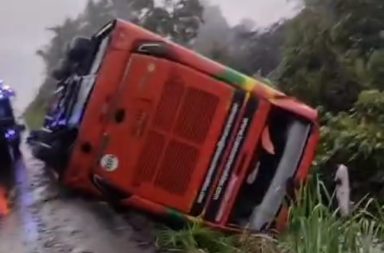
[
  {"x": 215, "y": 31},
  {"x": 241, "y": 47},
  {"x": 333, "y": 57},
  {"x": 178, "y": 20},
  {"x": 328, "y": 50},
  {"x": 95, "y": 14},
  {"x": 357, "y": 139},
  {"x": 257, "y": 51}
]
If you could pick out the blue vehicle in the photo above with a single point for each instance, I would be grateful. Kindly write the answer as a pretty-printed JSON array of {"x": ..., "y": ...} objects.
[{"x": 10, "y": 130}]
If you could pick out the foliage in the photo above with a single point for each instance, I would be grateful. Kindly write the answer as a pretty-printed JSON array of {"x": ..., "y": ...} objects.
[
  {"x": 178, "y": 20},
  {"x": 315, "y": 227},
  {"x": 333, "y": 59},
  {"x": 249, "y": 51},
  {"x": 95, "y": 14},
  {"x": 196, "y": 238},
  {"x": 357, "y": 139},
  {"x": 257, "y": 52},
  {"x": 333, "y": 52},
  {"x": 34, "y": 117}
]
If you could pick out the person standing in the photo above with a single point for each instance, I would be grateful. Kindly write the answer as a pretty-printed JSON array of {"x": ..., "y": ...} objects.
[{"x": 343, "y": 190}]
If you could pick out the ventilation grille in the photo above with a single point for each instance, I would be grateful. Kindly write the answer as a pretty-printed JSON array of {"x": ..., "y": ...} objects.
[
  {"x": 196, "y": 115},
  {"x": 177, "y": 168},
  {"x": 179, "y": 128},
  {"x": 149, "y": 159},
  {"x": 169, "y": 102}
]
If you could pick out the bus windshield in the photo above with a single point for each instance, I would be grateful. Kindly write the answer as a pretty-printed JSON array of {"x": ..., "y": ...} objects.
[{"x": 256, "y": 205}]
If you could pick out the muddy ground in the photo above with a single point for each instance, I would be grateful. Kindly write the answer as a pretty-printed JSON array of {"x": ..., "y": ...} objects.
[{"x": 46, "y": 219}]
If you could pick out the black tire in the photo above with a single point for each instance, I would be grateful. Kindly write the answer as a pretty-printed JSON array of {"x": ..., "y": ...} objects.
[
  {"x": 62, "y": 71},
  {"x": 61, "y": 144},
  {"x": 79, "y": 49},
  {"x": 60, "y": 162}
]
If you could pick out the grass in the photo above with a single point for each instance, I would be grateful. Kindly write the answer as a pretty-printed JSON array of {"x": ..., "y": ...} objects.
[
  {"x": 34, "y": 118},
  {"x": 196, "y": 238},
  {"x": 314, "y": 228},
  {"x": 34, "y": 114}
]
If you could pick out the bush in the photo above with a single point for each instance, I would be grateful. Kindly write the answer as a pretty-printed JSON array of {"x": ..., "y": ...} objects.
[{"x": 356, "y": 139}]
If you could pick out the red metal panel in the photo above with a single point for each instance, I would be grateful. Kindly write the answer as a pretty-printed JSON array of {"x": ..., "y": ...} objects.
[
  {"x": 170, "y": 131},
  {"x": 95, "y": 118},
  {"x": 248, "y": 150}
]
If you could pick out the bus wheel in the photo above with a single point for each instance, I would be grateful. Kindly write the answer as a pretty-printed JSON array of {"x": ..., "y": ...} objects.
[
  {"x": 62, "y": 70},
  {"x": 78, "y": 49}
]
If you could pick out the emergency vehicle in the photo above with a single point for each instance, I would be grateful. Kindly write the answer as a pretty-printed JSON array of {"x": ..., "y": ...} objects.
[{"x": 10, "y": 130}]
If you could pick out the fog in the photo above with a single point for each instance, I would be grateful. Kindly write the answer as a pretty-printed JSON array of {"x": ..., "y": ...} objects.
[{"x": 23, "y": 30}]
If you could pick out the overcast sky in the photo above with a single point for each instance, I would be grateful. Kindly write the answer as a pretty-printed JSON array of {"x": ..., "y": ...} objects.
[{"x": 23, "y": 32}]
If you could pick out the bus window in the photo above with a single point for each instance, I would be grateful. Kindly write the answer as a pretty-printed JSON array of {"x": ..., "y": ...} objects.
[{"x": 257, "y": 199}]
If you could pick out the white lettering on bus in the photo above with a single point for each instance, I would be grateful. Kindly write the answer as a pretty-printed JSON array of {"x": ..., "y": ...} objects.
[
  {"x": 231, "y": 159},
  {"x": 220, "y": 148}
]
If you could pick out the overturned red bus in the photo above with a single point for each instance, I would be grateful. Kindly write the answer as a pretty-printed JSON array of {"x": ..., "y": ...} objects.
[{"x": 150, "y": 124}]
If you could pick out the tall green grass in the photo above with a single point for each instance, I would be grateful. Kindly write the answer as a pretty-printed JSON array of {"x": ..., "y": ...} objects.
[
  {"x": 34, "y": 118},
  {"x": 314, "y": 228},
  {"x": 194, "y": 238}
]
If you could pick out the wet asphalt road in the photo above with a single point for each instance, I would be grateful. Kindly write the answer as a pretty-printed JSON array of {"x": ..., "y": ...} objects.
[{"x": 44, "y": 219}]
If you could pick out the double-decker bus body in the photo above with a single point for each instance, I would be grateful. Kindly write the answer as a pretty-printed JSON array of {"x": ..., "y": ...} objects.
[{"x": 164, "y": 129}]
